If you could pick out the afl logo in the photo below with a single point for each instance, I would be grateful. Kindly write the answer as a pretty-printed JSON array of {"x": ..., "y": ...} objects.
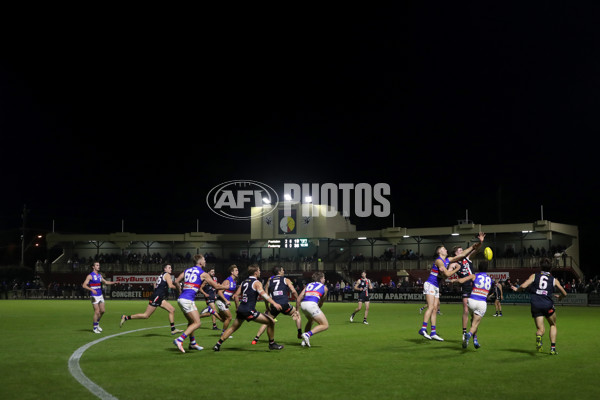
[{"x": 235, "y": 199}]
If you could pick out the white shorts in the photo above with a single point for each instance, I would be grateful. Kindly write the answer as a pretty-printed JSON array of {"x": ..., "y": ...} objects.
[
  {"x": 478, "y": 307},
  {"x": 97, "y": 299},
  {"x": 187, "y": 306},
  {"x": 428, "y": 288},
  {"x": 310, "y": 308},
  {"x": 221, "y": 305}
]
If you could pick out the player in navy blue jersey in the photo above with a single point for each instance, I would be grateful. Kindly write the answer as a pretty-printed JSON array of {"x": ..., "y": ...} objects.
[
  {"x": 364, "y": 287},
  {"x": 247, "y": 293},
  {"x": 541, "y": 287},
  {"x": 466, "y": 269},
  {"x": 498, "y": 295},
  {"x": 279, "y": 288},
  {"x": 158, "y": 298}
]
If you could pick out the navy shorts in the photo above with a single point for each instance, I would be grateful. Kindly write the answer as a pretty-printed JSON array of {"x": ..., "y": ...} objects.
[
  {"x": 286, "y": 309},
  {"x": 156, "y": 301},
  {"x": 250, "y": 315}
]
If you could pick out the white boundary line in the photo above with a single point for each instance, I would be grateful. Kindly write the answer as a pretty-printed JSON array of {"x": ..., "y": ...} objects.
[{"x": 78, "y": 374}]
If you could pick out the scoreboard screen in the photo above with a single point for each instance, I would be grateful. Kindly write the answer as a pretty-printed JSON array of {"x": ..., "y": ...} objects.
[
  {"x": 295, "y": 243},
  {"x": 288, "y": 243}
]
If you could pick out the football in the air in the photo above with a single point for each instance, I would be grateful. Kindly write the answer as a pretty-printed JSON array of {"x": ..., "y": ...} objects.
[{"x": 488, "y": 254}]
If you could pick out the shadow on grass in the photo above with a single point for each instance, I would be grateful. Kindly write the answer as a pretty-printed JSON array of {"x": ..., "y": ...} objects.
[
  {"x": 158, "y": 334},
  {"x": 174, "y": 349},
  {"x": 419, "y": 340},
  {"x": 532, "y": 353},
  {"x": 226, "y": 348}
]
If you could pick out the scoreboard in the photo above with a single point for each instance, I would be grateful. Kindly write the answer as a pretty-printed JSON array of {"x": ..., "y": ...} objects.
[{"x": 288, "y": 243}]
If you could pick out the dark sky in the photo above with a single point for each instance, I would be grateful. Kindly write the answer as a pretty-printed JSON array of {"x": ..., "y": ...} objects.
[{"x": 136, "y": 114}]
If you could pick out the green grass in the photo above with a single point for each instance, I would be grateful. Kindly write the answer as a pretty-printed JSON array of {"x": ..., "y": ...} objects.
[{"x": 386, "y": 359}]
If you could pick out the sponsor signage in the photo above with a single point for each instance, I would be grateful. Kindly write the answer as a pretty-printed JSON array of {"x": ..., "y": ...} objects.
[
  {"x": 499, "y": 276},
  {"x": 130, "y": 294},
  {"x": 580, "y": 299},
  {"x": 135, "y": 279}
]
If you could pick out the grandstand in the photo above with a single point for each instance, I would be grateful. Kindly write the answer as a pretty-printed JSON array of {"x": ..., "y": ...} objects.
[{"x": 330, "y": 244}]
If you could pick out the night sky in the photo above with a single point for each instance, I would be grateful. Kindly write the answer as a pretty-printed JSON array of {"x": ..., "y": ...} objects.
[{"x": 136, "y": 115}]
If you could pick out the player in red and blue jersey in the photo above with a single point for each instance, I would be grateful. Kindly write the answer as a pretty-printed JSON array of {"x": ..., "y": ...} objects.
[
  {"x": 93, "y": 282},
  {"x": 310, "y": 301},
  {"x": 431, "y": 287},
  {"x": 224, "y": 297},
  {"x": 192, "y": 279},
  {"x": 210, "y": 296},
  {"x": 477, "y": 301}
]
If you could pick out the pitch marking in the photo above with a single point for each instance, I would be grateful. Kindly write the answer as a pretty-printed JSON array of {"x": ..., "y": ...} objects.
[{"x": 78, "y": 374}]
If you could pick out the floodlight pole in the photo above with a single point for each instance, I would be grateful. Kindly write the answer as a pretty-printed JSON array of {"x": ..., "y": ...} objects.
[{"x": 24, "y": 216}]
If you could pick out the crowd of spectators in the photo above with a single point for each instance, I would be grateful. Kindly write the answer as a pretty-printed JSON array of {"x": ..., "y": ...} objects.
[
  {"x": 552, "y": 251},
  {"x": 37, "y": 289},
  {"x": 389, "y": 255},
  {"x": 57, "y": 290},
  {"x": 135, "y": 258},
  {"x": 338, "y": 288},
  {"x": 138, "y": 258}
]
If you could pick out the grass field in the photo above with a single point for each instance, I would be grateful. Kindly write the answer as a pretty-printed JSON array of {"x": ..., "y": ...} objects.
[{"x": 386, "y": 359}]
